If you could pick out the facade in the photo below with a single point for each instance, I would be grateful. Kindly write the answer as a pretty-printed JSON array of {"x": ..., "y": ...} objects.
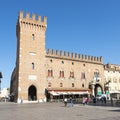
[
  {"x": 41, "y": 75},
  {"x": 5, "y": 92},
  {"x": 112, "y": 78}
]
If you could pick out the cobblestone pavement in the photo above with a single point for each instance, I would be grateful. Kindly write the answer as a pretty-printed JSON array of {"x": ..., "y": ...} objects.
[{"x": 57, "y": 111}]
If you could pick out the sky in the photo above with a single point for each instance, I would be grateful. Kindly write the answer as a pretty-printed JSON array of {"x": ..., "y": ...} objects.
[{"x": 89, "y": 27}]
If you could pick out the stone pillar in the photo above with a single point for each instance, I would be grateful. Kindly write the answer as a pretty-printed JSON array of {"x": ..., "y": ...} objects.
[{"x": 93, "y": 89}]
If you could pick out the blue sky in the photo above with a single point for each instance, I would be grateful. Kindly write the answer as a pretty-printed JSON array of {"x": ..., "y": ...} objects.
[{"x": 90, "y": 27}]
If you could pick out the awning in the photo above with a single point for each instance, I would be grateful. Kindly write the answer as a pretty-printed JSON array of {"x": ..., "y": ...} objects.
[
  {"x": 115, "y": 92},
  {"x": 54, "y": 93}
]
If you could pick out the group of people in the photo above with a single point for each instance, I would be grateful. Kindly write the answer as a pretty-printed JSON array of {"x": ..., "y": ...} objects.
[
  {"x": 70, "y": 100},
  {"x": 66, "y": 101},
  {"x": 102, "y": 99}
]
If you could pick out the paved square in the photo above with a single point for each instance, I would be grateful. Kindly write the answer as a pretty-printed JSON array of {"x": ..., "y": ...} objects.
[{"x": 57, "y": 111}]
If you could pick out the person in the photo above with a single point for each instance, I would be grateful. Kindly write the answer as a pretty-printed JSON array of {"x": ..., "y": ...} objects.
[
  {"x": 111, "y": 101},
  {"x": 86, "y": 100},
  {"x": 104, "y": 99},
  {"x": 71, "y": 101},
  {"x": 83, "y": 101},
  {"x": 65, "y": 101},
  {"x": 94, "y": 99}
]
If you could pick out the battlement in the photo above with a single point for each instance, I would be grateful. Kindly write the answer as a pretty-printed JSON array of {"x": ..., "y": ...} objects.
[
  {"x": 112, "y": 67},
  {"x": 74, "y": 56},
  {"x": 32, "y": 19}
]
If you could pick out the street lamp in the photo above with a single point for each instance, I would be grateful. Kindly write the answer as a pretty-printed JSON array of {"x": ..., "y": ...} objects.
[{"x": 0, "y": 81}]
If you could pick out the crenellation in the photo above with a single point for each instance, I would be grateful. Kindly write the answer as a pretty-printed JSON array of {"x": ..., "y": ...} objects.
[
  {"x": 39, "y": 18},
  {"x": 82, "y": 56},
  {"x": 72, "y": 55},
  {"x": 21, "y": 14},
  {"x": 56, "y": 52},
  {"x": 33, "y": 17},
  {"x": 101, "y": 60},
  {"x": 97, "y": 59},
  {"x": 76, "y": 56},
  {"x": 94, "y": 58},
  {"x": 88, "y": 57},
  {"x": 39, "y": 21},
  {"x": 60, "y": 53},
  {"x": 28, "y": 15},
  {"x": 64, "y": 53}
]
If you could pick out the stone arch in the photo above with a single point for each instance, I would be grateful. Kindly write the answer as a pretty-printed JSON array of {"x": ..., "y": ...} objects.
[
  {"x": 98, "y": 89},
  {"x": 32, "y": 93}
]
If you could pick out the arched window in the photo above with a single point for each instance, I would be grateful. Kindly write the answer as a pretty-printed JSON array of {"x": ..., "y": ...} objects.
[
  {"x": 50, "y": 73},
  {"x": 33, "y": 37},
  {"x": 33, "y": 65},
  {"x": 61, "y": 74},
  {"x": 82, "y": 75},
  {"x": 72, "y": 74}
]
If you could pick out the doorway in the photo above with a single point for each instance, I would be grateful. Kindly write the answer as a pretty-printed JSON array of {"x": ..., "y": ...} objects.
[
  {"x": 98, "y": 89},
  {"x": 32, "y": 93}
]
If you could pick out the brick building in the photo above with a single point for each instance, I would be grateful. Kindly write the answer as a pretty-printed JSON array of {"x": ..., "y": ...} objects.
[{"x": 41, "y": 74}]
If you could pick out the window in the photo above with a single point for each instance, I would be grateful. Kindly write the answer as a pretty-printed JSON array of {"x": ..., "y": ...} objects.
[
  {"x": 114, "y": 80},
  {"x": 51, "y": 60},
  {"x": 84, "y": 65},
  {"x": 61, "y": 74},
  {"x": 83, "y": 85},
  {"x": 49, "y": 84},
  {"x": 50, "y": 73},
  {"x": 33, "y": 65},
  {"x": 82, "y": 75},
  {"x": 72, "y": 63},
  {"x": 72, "y": 74},
  {"x": 61, "y": 85},
  {"x": 33, "y": 37},
  {"x": 96, "y": 74},
  {"x": 73, "y": 85}
]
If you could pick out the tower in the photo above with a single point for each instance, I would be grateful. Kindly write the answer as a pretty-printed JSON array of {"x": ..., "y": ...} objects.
[{"x": 30, "y": 61}]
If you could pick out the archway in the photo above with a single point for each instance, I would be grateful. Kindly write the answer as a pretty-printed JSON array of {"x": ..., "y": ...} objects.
[
  {"x": 98, "y": 89},
  {"x": 32, "y": 93}
]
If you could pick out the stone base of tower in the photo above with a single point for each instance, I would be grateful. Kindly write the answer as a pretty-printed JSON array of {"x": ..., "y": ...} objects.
[
  {"x": 24, "y": 98},
  {"x": 28, "y": 101}
]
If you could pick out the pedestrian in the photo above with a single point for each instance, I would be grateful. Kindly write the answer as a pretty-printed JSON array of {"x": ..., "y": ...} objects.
[
  {"x": 111, "y": 101},
  {"x": 83, "y": 102},
  {"x": 104, "y": 98},
  {"x": 71, "y": 101},
  {"x": 94, "y": 100},
  {"x": 65, "y": 101}
]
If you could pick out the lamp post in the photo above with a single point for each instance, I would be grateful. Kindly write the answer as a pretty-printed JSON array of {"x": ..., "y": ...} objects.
[
  {"x": 107, "y": 88},
  {"x": 0, "y": 81}
]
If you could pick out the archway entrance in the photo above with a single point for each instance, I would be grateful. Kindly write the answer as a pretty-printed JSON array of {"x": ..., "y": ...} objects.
[
  {"x": 32, "y": 93},
  {"x": 98, "y": 89}
]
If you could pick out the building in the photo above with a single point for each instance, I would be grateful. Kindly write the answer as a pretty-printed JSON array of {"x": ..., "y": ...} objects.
[
  {"x": 5, "y": 92},
  {"x": 112, "y": 79},
  {"x": 41, "y": 74}
]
